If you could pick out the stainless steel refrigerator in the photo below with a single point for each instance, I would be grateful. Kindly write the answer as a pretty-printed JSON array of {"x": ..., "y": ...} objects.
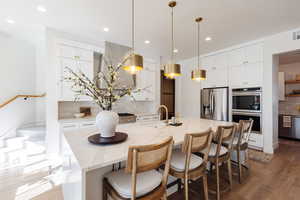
[{"x": 214, "y": 103}]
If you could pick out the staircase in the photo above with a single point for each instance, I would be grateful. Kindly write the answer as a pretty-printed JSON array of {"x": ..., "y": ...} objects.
[{"x": 25, "y": 169}]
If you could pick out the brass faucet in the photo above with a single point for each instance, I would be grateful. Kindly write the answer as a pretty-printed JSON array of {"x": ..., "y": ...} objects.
[{"x": 166, "y": 109}]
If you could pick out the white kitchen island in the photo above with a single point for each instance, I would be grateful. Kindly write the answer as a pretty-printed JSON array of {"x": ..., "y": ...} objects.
[{"x": 91, "y": 161}]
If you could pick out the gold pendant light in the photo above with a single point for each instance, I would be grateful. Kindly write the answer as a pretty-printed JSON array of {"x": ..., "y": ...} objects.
[
  {"x": 198, "y": 74},
  {"x": 172, "y": 70},
  {"x": 134, "y": 62}
]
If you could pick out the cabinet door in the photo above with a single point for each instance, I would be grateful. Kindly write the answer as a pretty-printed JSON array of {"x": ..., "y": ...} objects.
[
  {"x": 220, "y": 61},
  {"x": 66, "y": 51},
  {"x": 254, "y": 53},
  {"x": 207, "y": 62},
  {"x": 253, "y": 74},
  {"x": 209, "y": 82},
  {"x": 236, "y": 57},
  {"x": 83, "y": 54},
  {"x": 221, "y": 77},
  {"x": 66, "y": 91},
  {"x": 236, "y": 76}
]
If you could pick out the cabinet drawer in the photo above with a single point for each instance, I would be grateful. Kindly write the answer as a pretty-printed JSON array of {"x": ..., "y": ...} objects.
[
  {"x": 87, "y": 124},
  {"x": 256, "y": 141},
  {"x": 69, "y": 126}
]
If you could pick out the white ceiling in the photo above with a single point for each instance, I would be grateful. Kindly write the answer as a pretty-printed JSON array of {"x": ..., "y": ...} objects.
[{"x": 228, "y": 22}]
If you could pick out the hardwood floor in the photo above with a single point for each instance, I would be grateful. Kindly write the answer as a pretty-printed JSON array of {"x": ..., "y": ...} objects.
[{"x": 277, "y": 180}]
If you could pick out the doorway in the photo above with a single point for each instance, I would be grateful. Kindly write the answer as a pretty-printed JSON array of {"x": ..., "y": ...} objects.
[
  {"x": 167, "y": 95},
  {"x": 289, "y": 95}
]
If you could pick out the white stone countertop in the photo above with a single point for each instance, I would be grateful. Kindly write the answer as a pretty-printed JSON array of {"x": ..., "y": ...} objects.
[{"x": 92, "y": 157}]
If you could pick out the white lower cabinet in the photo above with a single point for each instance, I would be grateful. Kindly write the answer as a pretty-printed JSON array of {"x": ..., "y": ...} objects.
[{"x": 256, "y": 141}]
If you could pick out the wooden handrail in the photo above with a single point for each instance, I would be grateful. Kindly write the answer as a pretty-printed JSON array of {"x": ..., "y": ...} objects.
[{"x": 21, "y": 96}]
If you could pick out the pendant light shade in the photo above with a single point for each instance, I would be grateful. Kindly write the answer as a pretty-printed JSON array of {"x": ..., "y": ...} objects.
[
  {"x": 172, "y": 70},
  {"x": 134, "y": 62},
  {"x": 198, "y": 74}
]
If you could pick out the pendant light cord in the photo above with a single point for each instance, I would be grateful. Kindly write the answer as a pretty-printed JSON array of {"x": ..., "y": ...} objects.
[
  {"x": 198, "y": 49},
  {"x": 132, "y": 26},
  {"x": 172, "y": 50}
]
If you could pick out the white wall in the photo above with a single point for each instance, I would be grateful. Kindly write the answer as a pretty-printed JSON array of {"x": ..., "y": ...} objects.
[{"x": 17, "y": 76}]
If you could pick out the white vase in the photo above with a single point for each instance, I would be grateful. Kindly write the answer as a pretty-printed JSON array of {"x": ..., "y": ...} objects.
[{"x": 107, "y": 122}]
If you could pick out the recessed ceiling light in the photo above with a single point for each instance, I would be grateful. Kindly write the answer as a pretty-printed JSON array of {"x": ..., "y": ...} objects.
[
  {"x": 147, "y": 42},
  {"x": 106, "y": 29},
  {"x": 208, "y": 39},
  {"x": 10, "y": 21},
  {"x": 41, "y": 8},
  {"x": 175, "y": 50}
]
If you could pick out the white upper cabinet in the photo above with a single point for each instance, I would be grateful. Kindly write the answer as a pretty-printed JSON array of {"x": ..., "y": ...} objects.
[
  {"x": 220, "y": 61},
  {"x": 75, "y": 53},
  {"x": 217, "y": 71},
  {"x": 66, "y": 93},
  {"x": 246, "y": 66},
  {"x": 248, "y": 54},
  {"x": 247, "y": 75},
  {"x": 236, "y": 76},
  {"x": 77, "y": 59},
  {"x": 207, "y": 62},
  {"x": 145, "y": 80},
  {"x": 254, "y": 53},
  {"x": 236, "y": 57}
]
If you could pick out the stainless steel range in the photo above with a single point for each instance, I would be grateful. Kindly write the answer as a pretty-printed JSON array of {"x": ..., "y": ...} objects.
[{"x": 246, "y": 104}]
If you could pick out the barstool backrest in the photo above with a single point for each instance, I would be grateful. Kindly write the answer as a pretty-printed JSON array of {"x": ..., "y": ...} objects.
[
  {"x": 196, "y": 142},
  {"x": 245, "y": 128},
  {"x": 225, "y": 134},
  {"x": 149, "y": 157}
]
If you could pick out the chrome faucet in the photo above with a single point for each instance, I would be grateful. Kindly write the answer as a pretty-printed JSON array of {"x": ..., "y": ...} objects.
[{"x": 159, "y": 112}]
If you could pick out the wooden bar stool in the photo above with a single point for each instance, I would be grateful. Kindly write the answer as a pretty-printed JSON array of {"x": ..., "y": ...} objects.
[
  {"x": 185, "y": 165},
  {"x": 140, "y": 180},
  {"x": 220, "y": 154},
  {"x": 240, "y": 144}
]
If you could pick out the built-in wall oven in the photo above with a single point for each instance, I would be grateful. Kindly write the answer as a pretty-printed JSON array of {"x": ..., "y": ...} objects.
[{"x": 246, "y": 104}]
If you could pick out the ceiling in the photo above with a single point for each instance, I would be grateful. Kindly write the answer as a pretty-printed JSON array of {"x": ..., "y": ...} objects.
[{"x": 228, "y": 22}]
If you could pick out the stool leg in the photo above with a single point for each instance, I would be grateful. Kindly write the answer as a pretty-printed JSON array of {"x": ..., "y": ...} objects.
[
  {"x": 218, "y": 180},
  {"x": 229, "y": 173},
  {"x": 239, "y": 165},
  {"x": 179, "y": 184},
  {"x": 165, "y": 196},
  {"x": 205, "y": 188},
  {"x": 186, "y": 188},
  {"x": 104, "y": 192}
]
